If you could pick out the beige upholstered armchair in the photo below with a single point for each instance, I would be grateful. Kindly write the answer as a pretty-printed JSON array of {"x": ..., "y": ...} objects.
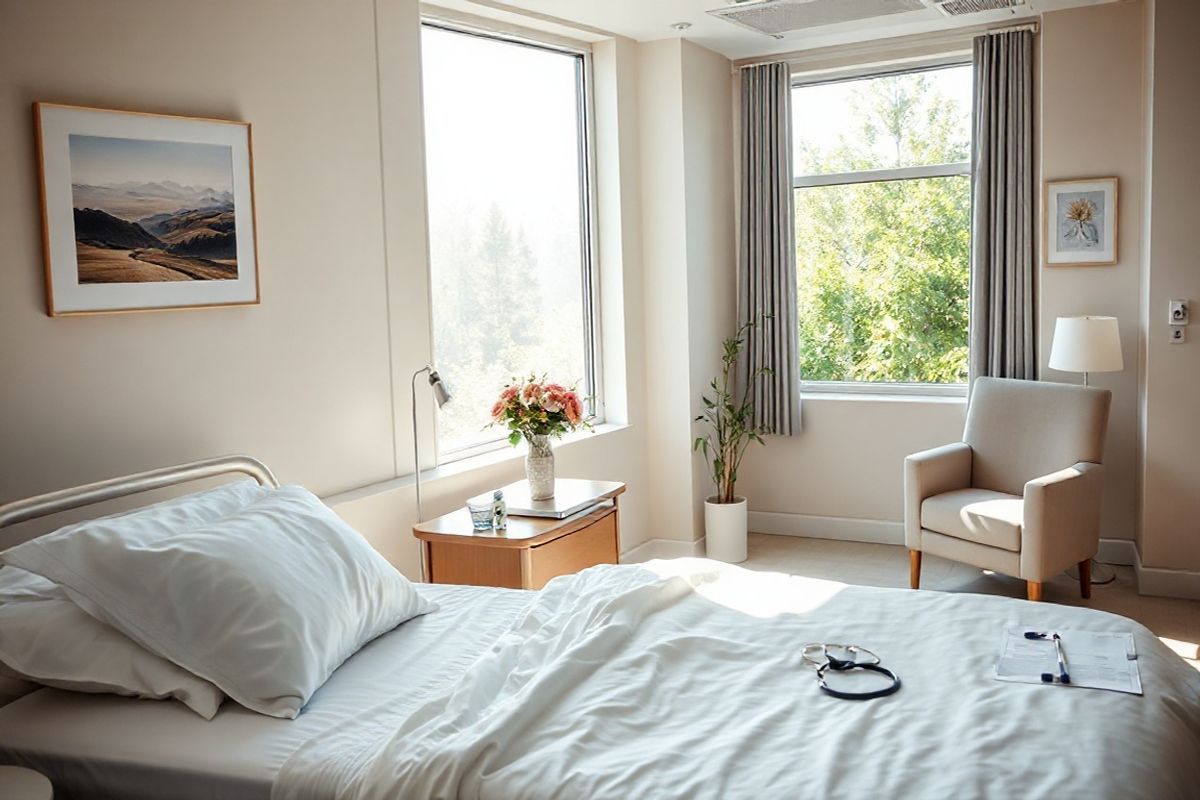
[{"x": 1020, "y": 494}]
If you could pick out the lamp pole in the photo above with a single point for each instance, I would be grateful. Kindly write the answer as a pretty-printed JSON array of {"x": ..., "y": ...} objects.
[{"x": 442, "y": 396}]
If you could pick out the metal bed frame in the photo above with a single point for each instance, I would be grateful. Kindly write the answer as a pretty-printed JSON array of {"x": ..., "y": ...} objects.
[{"x": 44, "y": 505}]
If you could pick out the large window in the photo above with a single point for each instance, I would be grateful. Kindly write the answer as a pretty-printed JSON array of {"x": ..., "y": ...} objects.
[
  {"x": 883, "y": 228},
  {"x": 509, "y": 223}
]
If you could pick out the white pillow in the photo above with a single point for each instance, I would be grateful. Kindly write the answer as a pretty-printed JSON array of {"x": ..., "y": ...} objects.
[
  {"x": 46, "y": 638},
  {"x": 265, "y": 602}
]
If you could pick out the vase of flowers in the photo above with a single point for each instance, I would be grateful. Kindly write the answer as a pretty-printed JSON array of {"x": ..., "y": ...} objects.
[{"x": 538, "y": 412}]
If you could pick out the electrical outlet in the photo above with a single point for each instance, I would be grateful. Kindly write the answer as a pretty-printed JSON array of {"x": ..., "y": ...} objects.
[
  {"x": 1178, "y": 312},
  {"x": 1178, "y": 334}
]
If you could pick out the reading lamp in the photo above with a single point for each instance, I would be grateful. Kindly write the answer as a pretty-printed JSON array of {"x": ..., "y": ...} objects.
[
  {"x": 1086, "y": 344},
  {"x": 442, "y": 395}
]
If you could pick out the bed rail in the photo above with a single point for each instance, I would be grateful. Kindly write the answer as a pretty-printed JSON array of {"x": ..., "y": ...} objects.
[{"x": 43, "y": 505}]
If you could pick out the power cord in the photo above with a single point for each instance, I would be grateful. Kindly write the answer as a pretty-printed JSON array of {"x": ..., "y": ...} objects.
[{"x": 1098, "y": 576}]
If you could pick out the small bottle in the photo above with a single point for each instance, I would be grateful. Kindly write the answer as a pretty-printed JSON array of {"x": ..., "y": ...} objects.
[{"x": 499, "y": 511}]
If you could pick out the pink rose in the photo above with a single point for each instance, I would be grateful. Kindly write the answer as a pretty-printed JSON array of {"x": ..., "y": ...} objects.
[
  {"x": 531, "y": 391},
  {"x": 574, "y": 409},
  {"x": 498, "y": 410},
  {"x": 509, "y": 393}
]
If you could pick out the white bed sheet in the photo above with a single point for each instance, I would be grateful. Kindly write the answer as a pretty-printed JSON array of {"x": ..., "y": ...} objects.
[
  {"x": 683, "y": 679},
  {"x": 99, "y": 746}
]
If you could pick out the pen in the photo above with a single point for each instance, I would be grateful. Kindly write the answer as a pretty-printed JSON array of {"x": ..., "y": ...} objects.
[
  {"x": 1063, "y": 675},
  {"x": 1062, "y": 660}
]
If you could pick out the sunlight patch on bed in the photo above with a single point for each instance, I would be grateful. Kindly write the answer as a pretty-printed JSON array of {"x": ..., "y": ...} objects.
[
  {"x": 1188, "y": 651},
  {"x": 756, "y": 594}
]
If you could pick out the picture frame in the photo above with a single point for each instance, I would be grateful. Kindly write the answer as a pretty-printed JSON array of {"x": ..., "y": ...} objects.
[
  {"x": 144, "y": 211},
  {"x": 1081, "y": 222}
]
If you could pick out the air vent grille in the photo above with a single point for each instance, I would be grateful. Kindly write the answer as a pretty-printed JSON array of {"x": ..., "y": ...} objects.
[
  {"x": 777, "y": 17},
  {"x": 954, "y": 8}
]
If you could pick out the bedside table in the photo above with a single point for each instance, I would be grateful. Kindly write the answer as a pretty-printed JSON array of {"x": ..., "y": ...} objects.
[
  {"x": 533, "y": 549},
  {"x": 19, "y": 783}
]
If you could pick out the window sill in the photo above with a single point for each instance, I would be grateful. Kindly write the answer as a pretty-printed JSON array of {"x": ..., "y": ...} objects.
[
  {"x": 505, "y": 452},
  {"x": 892, "y": 393},
  {"x": 468, "y": 465}
]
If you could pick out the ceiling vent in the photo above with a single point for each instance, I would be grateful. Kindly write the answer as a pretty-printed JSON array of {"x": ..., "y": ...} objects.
[
  {"x": 777, "y": 17},
  {"x": 954, "y": 8}
]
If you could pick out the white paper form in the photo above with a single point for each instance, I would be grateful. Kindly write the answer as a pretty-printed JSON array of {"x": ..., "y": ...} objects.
[{"x": 1094, "y": 660}]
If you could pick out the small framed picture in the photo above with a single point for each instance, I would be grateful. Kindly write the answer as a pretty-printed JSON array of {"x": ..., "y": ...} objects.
[
  {"x": 145, "y": 211},
  {"x": 1081, "y": 222}
]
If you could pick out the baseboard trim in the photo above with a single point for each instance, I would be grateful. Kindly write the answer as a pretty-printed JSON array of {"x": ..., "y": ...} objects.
[
  {"x": 1161, "y": 582},
  {"x": 843, "y": 529},
  {"x": 662, "y": 548},
  {"x": 1121, "y": 552},
  {"x": 1154, "y": 581}
]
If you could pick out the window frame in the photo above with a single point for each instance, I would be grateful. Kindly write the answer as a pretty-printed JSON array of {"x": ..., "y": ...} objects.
[
  {"x": 946, "y": 170},
  {"x": 589, "y": 251}
]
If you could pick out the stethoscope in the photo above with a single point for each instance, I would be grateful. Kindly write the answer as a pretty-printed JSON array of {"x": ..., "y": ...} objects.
[{"x": 818, "y": 655}]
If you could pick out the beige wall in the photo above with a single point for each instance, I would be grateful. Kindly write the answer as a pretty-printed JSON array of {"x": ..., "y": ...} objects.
[
  {"x": 1171, "y": 508},
  {"x": 685, "y": 103},
  {"x": 1089, "y": 129},
  {"x": 848, "y": 461},
  {"x": 664, "y": 252},
  {"x": 302, "y": 380},
  {"x": 315, "y": 380},
  {"x": 711, "y": 259}
]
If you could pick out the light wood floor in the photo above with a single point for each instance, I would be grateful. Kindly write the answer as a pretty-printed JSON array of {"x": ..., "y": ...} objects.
[{"x": 1176, "y": 622}]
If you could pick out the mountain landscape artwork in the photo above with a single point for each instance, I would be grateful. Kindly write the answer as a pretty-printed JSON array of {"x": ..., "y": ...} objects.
[{"x": 151, "y": 211}]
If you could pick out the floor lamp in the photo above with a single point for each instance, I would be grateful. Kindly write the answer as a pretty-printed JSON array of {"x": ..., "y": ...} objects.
[{"x": 442, "y": 395}]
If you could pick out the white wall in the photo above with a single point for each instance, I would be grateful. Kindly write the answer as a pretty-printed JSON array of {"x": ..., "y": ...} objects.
[
  {"x": 664, "y": 254},
  {"x": 1170, "y": 536},
  {"x": 711, "y": 255},
  {"x": 1108, "y": 107},
  {"x": 688, "y": 251},
  {"x": 315, "y": 380}
]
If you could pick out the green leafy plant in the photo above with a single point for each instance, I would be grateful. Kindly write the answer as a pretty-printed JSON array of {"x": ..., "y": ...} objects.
[{"x": 730, "y": 418}]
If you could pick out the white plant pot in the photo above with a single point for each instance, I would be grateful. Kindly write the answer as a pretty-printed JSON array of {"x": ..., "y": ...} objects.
[{"x": 725, "y": 530}]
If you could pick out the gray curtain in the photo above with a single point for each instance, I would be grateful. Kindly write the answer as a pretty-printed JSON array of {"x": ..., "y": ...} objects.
[
  {"x": 1002, "y": 229},
  {"x": 767, "y": 246}
]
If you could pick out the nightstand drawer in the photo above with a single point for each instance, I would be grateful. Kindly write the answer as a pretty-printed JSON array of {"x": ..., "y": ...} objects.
[{"x": 595, "y": 544}]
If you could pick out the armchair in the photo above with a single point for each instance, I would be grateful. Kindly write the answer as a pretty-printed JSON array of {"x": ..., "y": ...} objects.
[{"x": 1021, "y": 493}]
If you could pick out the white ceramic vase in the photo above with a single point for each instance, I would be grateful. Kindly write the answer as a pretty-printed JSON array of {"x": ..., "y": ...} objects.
[
  {"x": 725, "y": 529},
  {"x": 539, "y": 468}
]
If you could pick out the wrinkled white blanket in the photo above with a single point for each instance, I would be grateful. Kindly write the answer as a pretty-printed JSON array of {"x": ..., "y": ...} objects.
[{"x": 683, "y": 679}]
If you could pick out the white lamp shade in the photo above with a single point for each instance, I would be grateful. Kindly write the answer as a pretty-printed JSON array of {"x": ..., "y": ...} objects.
[{"x": 1086, "y": 344}]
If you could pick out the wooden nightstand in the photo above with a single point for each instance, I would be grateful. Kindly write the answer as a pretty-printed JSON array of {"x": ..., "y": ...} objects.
[{"x": 532, "y": 550}]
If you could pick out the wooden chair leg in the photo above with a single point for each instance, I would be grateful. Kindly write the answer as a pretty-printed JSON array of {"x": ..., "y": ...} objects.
[
  {"x": 1034, "y": 590},
  {"x": 914, "y": 569},
  {"x": 1085, "y": 578}
]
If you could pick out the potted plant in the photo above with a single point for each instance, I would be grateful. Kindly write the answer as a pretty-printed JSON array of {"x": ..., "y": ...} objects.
[
  {"x": 730, "y": 421},
  {"x": 535, "y": 411}
]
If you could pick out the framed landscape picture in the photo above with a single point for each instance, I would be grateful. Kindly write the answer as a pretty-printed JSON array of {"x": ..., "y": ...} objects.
[
  {"x": 1081, "y": 222},
  {"x": 145, "y": 211}
]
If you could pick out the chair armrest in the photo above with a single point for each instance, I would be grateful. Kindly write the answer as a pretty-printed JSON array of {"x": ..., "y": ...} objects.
[
  {"x": 1062, "y": 520},
  {"x": 930, "y": 472}
]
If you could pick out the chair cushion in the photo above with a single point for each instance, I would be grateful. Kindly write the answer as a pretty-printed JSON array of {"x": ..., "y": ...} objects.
[{"x": 977, "y": 515}]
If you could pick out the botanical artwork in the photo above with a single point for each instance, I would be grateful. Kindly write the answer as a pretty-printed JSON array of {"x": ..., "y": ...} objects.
[
  {"x": 145, "y": 211},
  {"x": 1081, "y": 222},
  {"x": 150, "y": 211},
  {"x": 1080, "y": 218}
]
